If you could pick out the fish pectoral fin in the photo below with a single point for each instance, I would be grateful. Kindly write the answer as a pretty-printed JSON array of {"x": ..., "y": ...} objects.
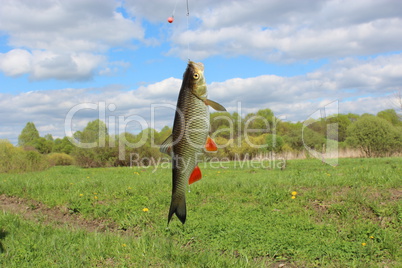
[
  {"x": 195, "y": 175},
  {"x": 215, "y": 105},
  {"x": 166, "y": 146},
  {"x": 210, "y": 145}
]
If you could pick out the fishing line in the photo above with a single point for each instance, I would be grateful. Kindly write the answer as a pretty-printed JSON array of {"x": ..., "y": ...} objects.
[
  {"x": 174, "y": 9},
  {"x": 188, "y": 30},
  {"x": 171, "y": 19}
]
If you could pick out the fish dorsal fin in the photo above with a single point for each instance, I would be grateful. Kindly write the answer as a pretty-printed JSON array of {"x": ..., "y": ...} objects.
[
  {"x": 166, "y": 146},
  {"x": 195, "y": 175},
  {"x": 215, "y": 105},
  {"x": 210, "y": 145}
]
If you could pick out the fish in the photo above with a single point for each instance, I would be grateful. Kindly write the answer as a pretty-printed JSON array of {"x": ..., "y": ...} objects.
[{"x": 190, "y": 136}]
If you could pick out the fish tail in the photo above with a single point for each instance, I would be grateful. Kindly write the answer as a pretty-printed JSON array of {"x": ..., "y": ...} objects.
[{"x": 178, "y": 207}]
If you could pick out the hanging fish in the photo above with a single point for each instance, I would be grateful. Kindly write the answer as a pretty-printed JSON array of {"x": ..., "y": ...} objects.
[{"x": 189, "y": 136}]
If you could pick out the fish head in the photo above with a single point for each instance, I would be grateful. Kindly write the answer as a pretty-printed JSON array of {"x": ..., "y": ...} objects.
[{"x": 196, "y": 80}]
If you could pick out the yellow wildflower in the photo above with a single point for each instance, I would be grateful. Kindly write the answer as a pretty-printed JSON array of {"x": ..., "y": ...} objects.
[
  {"x": 123, "y": 245},
  {"x": 364, "y": 244},
  {"x": 81, "y": 194},
  {"x": 371, "y": 237},
  {"x": 293, "y": 196},
  {"x": 145, "y": 209},
  {"x": 95, "y": 197},
  {"x": 294, "y": 193}
]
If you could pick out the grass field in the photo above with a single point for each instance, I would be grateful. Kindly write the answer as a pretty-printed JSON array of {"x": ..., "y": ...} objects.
[{"x": 238, "y": 216}]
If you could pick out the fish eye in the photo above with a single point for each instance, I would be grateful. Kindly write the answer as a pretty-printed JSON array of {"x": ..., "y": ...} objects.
[{"x": 196, "y": 76}]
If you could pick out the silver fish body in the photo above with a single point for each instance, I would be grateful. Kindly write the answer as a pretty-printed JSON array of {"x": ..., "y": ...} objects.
[{"x": 189, "y": 134}]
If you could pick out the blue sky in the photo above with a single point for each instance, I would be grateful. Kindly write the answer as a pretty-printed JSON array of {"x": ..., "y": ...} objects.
[{"x": 290, "y": 56}]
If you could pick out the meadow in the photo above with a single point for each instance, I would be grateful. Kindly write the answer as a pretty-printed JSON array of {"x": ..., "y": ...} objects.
[{"x": 239, "y": 215}]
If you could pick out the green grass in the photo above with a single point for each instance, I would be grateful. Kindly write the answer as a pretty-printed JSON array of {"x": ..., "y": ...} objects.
[{"x": 237, "y": 216}]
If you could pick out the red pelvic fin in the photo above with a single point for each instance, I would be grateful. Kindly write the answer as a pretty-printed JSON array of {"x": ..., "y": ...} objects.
[
  {"x": 210, "y": 145},
  {"x": 195, "y": 176}
]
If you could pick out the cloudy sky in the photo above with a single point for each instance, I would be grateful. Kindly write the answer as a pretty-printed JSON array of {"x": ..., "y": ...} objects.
[{"x": 64, "y": 63}]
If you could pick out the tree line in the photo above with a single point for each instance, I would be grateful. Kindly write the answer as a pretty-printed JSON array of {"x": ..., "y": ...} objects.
[{"x": 374, "y": 135}]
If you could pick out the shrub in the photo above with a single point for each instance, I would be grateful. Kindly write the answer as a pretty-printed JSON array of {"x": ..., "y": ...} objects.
[
  {"x": 60, "y": 159},
  {"x": 14, "y": 159},
  {"x": 7, "y": 150},
  {"x": 274, "y": 143},
  {"x": 374, "y": 136}
]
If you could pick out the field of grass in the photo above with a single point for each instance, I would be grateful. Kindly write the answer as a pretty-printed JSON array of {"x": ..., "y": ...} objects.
[{"x": 238, "y": 216}]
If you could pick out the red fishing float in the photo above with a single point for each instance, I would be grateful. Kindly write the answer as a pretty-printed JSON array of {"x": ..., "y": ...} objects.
[{"x": 170, "y": 19}]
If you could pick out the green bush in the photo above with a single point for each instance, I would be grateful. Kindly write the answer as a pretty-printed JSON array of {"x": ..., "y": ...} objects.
[
  {"x": 60, "y": 159},
  {"x": 374, "y": 136},
  {"x": 106, "y": 156},
  {"x": 274, "y": 143},
  {"x": 14, "y": 159},
  {"x": 7, "y": 151}
]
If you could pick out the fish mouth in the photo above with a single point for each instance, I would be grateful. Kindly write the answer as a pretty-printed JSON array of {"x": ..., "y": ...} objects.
[{"x": 197, "y": 65}]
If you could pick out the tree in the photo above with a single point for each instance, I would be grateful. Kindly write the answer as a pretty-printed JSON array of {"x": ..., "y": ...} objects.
[
  {"x": 283, "y": 127},
  {"x": 391, "y": 116},
  {"x": 94, "y": 131},
  {"x": 343, "y": 122},
  {"x": 353, "y": 117},
  {"x": 262, "y": 122},
  {"x": 298, "y": 138},
  {"x": 275, "y": 143},
  {"x": 312, "y": 139},
  {"x": 63, "y": 146},
  {"x": 397, "y": 103},
  {"x": 49, "y": 137},
  {"x": 293, "y": 136},
  {"x": 374, "y": 136},
  {"x": 163, "y": 134},
  {"x": 29, "y": 135},
  {"x": 43, "y": 145},
  {"x": 222, "y": 124},
  {"x": 238, "y": 124},
  {"x": 319, "y": 126}
]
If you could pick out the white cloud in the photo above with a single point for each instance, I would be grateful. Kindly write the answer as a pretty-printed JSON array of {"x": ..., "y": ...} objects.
[
  {"x": 289, "y": 43},
  {"x": 78, "y": 33},
  {"x": 374, "y": 75},
  {"x": 46, "y": 64},
  {"x": 288, "y": 31},
  {"x": 294, "y": 98},
  {"x": 62, "y": 39},
  {"x": 370, "y": 105},
  {"x": 76, "y": 66},
  {"x": 75, "y": 25},
  {"x": 15, "y": 62}
]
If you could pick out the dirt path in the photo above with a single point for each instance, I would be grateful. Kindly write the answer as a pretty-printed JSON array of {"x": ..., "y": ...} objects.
[{"x": 57, "y": 216}]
